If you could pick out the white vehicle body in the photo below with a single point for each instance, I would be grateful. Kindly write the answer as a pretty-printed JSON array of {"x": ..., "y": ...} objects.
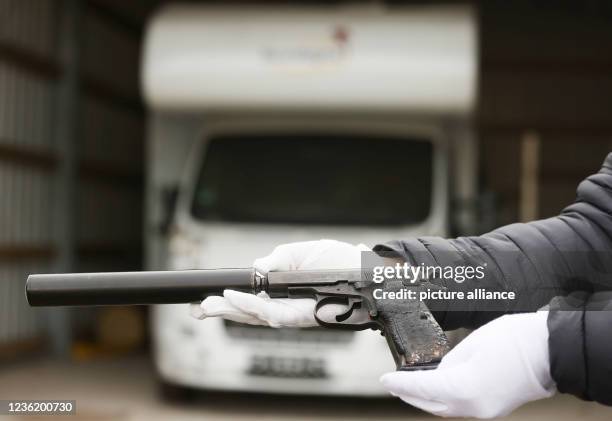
[{"x": 243, "y": 80}]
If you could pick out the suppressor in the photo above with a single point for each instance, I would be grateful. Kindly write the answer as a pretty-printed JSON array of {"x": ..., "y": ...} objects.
[{"x": 127, "y": 288}]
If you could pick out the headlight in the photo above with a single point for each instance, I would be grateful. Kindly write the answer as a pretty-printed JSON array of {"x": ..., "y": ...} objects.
[{"x": 185, "y": 250}]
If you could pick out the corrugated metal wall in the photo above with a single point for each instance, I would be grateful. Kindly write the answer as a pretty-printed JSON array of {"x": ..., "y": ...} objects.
[
  {"x": 546, "y": 69},
  {"x": 27, "y": 159},
  {"x": 110, "y": 190},
  {"x": 109, "y": 135}
]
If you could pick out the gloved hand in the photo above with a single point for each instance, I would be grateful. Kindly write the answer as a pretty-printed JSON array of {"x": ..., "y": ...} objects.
[
  {"x": 260, "y": 309},
  {"x": 497, "y": 368}
]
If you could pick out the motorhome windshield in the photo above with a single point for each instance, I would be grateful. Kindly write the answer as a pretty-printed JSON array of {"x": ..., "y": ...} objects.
[{"x": 315, "y": 179}]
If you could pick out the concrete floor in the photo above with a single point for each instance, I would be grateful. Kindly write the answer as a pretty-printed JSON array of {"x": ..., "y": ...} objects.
[{"x": 125, "y": 389}]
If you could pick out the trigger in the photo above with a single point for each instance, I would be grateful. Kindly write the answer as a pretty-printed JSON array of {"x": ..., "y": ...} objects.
[{"x": 353, "y": 303}]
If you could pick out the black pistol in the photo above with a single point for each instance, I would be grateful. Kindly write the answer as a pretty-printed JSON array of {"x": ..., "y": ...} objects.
[{"x": 415, "y": 339}]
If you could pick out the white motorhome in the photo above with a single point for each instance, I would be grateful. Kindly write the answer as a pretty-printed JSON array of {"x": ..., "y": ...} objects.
[{"x": 285, "y": 124}]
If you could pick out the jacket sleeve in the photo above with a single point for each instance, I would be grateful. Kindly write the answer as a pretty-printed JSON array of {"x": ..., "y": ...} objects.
[
  {"x": 537, "y": 260},
  {"x": 580, "y": 345},
  {"x": 566, "y": 256}
]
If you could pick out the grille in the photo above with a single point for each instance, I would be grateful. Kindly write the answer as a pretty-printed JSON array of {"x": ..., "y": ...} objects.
[{"x": 294, "y": 335}]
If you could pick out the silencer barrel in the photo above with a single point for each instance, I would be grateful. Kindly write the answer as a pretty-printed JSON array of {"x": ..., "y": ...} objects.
[{"x": 126, "y": 288}]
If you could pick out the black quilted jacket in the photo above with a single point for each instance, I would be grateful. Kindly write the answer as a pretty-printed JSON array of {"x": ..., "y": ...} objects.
[{"x": 566, "y": 259}]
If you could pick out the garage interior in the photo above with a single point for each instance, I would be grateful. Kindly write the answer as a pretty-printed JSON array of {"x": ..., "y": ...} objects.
[{"x": 73, "y": 131}]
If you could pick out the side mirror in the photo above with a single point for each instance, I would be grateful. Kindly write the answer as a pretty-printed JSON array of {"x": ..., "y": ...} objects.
[{"x": 169, "y": 198}]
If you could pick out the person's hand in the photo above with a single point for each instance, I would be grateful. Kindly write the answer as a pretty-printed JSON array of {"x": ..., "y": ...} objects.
[
  {"x": 312, "y": 255},
  {"x": 260, "y": 309},
  {"x": 497, "y": 368}
]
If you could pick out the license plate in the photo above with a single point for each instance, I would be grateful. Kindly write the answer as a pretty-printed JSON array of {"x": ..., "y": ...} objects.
[{"x": 291, "y": 367}]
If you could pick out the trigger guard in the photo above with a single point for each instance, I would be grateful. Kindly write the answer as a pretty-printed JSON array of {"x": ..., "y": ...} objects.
[
  {"x": 357, "y": 317},
  {"x": 322, "y": 302}
]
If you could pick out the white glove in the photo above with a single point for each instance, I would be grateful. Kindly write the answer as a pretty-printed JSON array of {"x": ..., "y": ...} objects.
[
  {"x": 260, "y": 309},
  {"x": 497, "y": 368},
  {"x": 312, "y": 255}
]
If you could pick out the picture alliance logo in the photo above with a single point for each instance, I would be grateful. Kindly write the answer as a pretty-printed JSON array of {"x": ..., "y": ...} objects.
[{"x": 422, "y": 272}]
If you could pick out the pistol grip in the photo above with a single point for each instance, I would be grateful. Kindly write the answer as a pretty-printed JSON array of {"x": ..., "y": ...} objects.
[
  {"x": 416, "y": 367},
  {"x": 415, "y": 339}
]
